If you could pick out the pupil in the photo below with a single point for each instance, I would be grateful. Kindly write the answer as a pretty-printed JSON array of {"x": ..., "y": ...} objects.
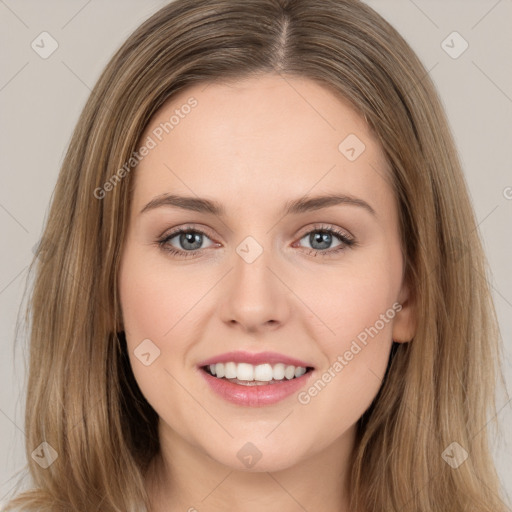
[
  {"x": 321, "y": 237},
  {"x": 188, "y": 238}
]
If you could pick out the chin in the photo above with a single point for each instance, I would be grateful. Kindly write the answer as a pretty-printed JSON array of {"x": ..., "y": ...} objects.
[{"x": 254, "y": 456}]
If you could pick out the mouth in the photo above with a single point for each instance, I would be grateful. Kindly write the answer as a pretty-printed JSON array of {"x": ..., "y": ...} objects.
[{"x": 246, "y": 385}]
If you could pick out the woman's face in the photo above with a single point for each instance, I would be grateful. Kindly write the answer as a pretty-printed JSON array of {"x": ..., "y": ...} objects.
[{"x": 315, "y": 282}]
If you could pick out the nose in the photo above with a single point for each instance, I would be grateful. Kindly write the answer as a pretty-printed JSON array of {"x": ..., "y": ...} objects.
[{"x": 255, "y": 296}]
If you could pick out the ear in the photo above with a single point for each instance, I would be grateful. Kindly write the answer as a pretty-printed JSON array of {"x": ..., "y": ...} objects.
[{"x": 404, "y": 323}]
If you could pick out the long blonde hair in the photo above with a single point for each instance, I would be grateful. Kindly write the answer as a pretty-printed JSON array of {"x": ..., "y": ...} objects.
[{"x": 82, "y": 398}]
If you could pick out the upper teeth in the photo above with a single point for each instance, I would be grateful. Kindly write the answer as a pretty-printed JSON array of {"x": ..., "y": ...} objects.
[{"x": 263, "y": 372}]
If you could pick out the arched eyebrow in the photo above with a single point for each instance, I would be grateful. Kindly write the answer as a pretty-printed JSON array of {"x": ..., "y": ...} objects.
[
  {"x": 305, "y": 204},
  {"x": 292, "y": 207}
]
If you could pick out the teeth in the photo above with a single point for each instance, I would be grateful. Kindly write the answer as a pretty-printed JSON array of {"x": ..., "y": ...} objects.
[
  {"x": 244, "y": 371},
  {"x": 261, "y": 372},
  {"x": 278, "y": 371},
  {"x": 299, "y": 371},
  {"x": 229, "y": 370}
]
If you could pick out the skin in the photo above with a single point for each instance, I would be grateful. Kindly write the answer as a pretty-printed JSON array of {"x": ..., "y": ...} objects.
[{"x": 252, "y": 145}]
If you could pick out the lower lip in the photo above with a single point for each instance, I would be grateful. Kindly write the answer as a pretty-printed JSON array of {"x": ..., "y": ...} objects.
[{"x": 255, "y": 396}]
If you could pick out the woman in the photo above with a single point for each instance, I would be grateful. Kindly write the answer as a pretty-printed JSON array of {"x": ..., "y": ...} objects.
[{"x": 249, "y": 371}]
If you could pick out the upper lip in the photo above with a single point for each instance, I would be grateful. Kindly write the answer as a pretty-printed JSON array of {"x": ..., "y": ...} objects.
[{"x": 254, "y": 359}]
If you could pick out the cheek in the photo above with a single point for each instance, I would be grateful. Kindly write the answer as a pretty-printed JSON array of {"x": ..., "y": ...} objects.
[
  {"x": 351, "y": 303},
  {"x": 154, "y": 300},
  {"x": 358, "y": 309},
  {"x": 155, "y": 303}
]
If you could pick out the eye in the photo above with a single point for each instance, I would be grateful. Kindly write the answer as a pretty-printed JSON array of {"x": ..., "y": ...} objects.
[
  {"x": 321, "y": 238},
  {"x": 189, "y": 241}
]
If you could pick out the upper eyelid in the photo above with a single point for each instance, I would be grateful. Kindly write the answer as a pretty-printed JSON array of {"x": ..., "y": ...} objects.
[
  {"x": 326, "y": 227},
  {"x": 185, "y": 229}
]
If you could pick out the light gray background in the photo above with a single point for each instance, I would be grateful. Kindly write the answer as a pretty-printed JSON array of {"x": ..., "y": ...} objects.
[{"x": 41, "y": 99}]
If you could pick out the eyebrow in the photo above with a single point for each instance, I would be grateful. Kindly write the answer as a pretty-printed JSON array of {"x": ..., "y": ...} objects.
[{"x": 293, "y": 207}]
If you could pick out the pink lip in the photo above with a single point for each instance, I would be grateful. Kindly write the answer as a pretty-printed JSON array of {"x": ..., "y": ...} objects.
[
  {"x": 254, "y": 359},
  {"x": 255, "y": 396}
]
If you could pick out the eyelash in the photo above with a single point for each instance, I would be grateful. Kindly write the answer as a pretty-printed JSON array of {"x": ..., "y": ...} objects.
[{"x": 346, "y": 242}]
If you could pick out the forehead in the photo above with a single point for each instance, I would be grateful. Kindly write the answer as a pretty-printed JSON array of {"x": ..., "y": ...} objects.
[{"x": 259, "y": 139}]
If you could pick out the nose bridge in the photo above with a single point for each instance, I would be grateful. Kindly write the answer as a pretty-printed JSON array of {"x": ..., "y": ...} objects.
[
  {"x": 254, "y": 297},
  {"x": 251, "y": 273}
]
